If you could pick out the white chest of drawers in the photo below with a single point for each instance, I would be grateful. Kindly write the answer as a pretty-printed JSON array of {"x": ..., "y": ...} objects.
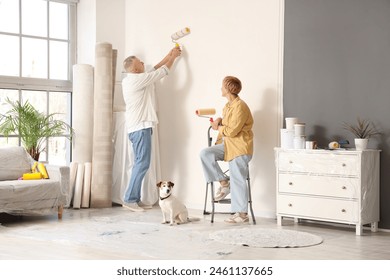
[{"x": 339, "y": 186}]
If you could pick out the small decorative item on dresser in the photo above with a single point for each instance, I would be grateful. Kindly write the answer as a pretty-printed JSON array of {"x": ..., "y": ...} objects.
[
  {"x": 333, "y": 145},
  {"x": 363, "y": 130},
  {"x": 310, "y": 145}
]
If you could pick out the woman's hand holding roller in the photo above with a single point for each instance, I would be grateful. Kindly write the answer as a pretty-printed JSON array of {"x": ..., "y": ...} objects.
[{"x": 216, "y": 123}]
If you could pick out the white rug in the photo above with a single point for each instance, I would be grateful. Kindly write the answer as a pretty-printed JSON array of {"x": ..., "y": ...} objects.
[
  {"x": 122, "y": 234},
  {"x": 266, "y": 238}
]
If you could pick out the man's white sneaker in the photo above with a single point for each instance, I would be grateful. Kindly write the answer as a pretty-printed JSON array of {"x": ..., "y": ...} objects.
[
  {"x": 133, "y": 207},
  {"x": 145, "y": 206}
]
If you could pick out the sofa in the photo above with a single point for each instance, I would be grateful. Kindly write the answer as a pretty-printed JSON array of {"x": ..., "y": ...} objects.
[{"x": 31, "y": 197}]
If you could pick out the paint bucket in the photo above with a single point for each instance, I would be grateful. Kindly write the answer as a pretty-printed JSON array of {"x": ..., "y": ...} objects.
[
  {"x": 290, "y": 123},
  {"x": 299, "y": 129},
  {"x": 299, "y": 142},
  {"x": 287, "y": 138}
]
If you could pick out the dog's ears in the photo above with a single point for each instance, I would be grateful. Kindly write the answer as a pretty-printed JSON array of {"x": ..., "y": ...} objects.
[{"x": 169, "y": 184}]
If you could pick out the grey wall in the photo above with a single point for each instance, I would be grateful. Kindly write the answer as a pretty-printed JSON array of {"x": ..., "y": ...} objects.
[{"x": 337, "y": 68}]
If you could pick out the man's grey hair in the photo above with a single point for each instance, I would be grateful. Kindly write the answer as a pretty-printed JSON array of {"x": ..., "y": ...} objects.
[{"x": 128, "y": 62}]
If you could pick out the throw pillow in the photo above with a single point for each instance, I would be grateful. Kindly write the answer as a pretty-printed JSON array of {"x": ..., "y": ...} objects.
[
  {"x": 14, "y": 162},
  {"x": 43, "y": 171}
]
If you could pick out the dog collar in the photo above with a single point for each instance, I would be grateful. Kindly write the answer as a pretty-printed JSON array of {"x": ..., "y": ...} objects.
[{"x": 162, "y": 198}]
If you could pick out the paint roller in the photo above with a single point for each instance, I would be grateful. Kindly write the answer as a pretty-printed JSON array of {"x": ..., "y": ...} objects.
[
  {"x": 180, "y": 34},
  {"x": 206, "y": 113}
]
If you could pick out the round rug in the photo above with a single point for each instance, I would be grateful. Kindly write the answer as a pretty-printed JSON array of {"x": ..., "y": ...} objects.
[{"x": 266, "y": 238}]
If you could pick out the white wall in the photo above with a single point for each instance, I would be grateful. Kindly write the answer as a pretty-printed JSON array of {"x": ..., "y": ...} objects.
[
  {"x": 228, "y": 37},
  {"x": 86, "y": 31},
  {"x": 102, "y": 21}
]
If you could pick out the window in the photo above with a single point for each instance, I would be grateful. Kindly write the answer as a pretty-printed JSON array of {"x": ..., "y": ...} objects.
[{"x": 37, "y": 39}]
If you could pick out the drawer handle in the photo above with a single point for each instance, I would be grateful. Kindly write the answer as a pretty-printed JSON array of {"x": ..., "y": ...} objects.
[
  {"x": 289, "y": 205},
  {"x": 343, "y": 210},
  {"x": 290, "y": 183},
  {"x": 290, "y": 162},
  {"x": 344, "y": 165},
  {"x": 344, "y": 187}
]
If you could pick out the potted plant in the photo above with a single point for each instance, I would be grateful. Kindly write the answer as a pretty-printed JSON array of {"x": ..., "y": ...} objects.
[
  {"x": 32, "y": 126},
  {"x": 363, "y": 130}
]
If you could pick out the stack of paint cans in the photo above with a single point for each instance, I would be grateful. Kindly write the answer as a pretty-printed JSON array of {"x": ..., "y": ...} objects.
[
  {"x": 287, "y": 134},
  {"x": 299, "y": 136},
  {"x": 293, "y": 136}
]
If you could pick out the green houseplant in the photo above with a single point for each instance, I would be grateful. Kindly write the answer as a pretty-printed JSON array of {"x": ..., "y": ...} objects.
[
  {"x": 363, "y": 130},
  {"x": 32, "y": 126}
]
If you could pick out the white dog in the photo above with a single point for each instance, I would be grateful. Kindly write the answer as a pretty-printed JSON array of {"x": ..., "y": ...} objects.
[{"x": 171, "y": 207}]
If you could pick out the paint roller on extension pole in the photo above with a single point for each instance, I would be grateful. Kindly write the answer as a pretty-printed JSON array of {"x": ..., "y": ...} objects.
[
  {"x": 205, "y": 113},
  {"x": 180, "y": 34}
]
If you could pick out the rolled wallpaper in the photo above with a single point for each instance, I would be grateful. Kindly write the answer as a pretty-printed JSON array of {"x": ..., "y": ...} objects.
[
  {"x": 82, "y": 113},
  {"x": 87, "y": 185},
  {"x": 78, "y": 190},
  {"x": 114, "y": 59},
  {"x": 101, "y": 185},
  {"x": 72, "y": 183}
]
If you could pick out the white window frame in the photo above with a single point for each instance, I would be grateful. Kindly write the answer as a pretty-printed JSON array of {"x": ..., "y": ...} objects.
[{"x": 49, "y": 85}]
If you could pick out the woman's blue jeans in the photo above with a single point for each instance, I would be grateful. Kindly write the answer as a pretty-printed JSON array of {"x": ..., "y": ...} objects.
[
  {"x": 142, "y": 148},
  {"x": 238, "y": 170}
]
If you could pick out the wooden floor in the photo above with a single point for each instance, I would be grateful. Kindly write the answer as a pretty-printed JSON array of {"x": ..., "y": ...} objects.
[{"x": 340, "y": 242}]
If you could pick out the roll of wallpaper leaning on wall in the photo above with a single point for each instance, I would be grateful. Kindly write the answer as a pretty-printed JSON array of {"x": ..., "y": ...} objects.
[
  {"x": 82, "y": 112},
  {"x": 101, "y": 185},
  {"x": 86, "y": 194},
  {"x": 82, "y": 123},
  {"x": 78, "y": 190}
]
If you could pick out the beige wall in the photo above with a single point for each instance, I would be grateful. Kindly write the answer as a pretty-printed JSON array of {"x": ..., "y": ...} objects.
[{"x": 227, "y": 38}]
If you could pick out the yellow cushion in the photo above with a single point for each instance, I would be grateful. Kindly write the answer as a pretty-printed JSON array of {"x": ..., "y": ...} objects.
[
  {"x": 32, "y": 176},
  {"x": 43, "y": 171}
]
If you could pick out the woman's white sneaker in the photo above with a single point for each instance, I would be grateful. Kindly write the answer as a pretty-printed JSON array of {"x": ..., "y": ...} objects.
[
  {"x": 238, "y": 218},
  {"x": 222, "y": 192}
]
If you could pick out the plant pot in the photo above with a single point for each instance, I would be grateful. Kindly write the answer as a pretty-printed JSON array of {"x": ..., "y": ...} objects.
[{"x": 361, "y": 144}]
